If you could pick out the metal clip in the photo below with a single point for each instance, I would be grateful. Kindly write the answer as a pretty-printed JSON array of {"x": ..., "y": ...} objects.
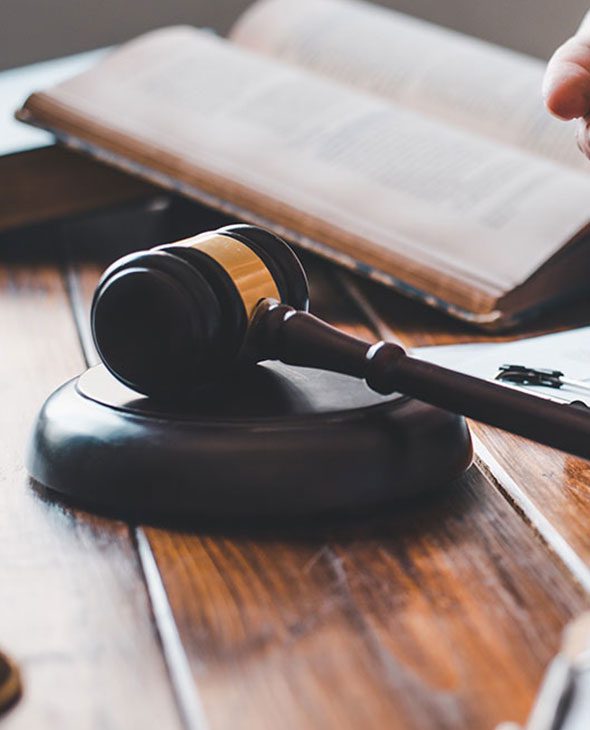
[
  {"x": 530, "y": 376},
  {"x": 521, "y": 376}
]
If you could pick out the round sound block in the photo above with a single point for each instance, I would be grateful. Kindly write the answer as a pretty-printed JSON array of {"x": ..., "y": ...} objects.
[{"x": 273, "y": 440}]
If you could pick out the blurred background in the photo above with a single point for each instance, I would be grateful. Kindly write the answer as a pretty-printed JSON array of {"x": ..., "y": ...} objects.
[{"x": 36, "y": 30}]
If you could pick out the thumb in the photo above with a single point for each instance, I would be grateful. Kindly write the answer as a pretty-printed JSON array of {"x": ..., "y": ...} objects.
[{"x": 566, "y": 86}]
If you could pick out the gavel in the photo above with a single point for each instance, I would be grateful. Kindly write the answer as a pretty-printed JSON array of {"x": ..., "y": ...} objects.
[{"x": 170, "y": 320}]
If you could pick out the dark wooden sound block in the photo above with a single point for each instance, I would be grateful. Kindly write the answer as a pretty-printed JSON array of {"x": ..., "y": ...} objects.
[{"x": 274, "y": 440}]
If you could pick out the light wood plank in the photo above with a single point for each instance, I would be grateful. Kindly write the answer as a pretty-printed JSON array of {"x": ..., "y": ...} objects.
[{"x": 74, "y": 610}]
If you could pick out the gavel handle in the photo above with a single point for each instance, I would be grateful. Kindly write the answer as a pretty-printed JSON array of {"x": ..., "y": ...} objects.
[
  {"x": 298, "y": 338},
  {"x": 560, "y": 425}
]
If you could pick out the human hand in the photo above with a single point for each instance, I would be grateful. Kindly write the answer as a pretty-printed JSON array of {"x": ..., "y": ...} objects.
[{"x": 566, "y": 87}]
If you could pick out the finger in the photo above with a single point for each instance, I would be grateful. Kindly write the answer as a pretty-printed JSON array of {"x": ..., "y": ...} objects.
[{"x": 566, "y": 87}]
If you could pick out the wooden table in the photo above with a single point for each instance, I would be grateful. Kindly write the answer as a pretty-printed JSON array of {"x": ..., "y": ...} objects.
[{"x": 441, "y": 615}]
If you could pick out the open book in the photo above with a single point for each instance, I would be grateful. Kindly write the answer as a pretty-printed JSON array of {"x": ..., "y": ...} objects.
[{"x": 412, "y": 154}]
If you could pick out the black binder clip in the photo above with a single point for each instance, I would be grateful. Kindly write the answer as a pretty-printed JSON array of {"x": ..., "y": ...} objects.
[{"x": 521, "y": 376}]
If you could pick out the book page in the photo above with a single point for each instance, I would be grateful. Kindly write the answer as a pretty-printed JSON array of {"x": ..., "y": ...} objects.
[
  {"x": 462, "y": 80},
  {"x": 407, "y": 189}
]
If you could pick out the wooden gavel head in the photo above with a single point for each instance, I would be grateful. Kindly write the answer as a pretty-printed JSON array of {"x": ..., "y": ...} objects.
[{"x": 168, "y": 320}]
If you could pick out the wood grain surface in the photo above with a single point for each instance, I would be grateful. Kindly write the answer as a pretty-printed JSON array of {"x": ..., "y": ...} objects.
[
  {"x": 74, "y": 611},
  {"x": 53, "y": 182},
  {"x": 443, "y": 615}
]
